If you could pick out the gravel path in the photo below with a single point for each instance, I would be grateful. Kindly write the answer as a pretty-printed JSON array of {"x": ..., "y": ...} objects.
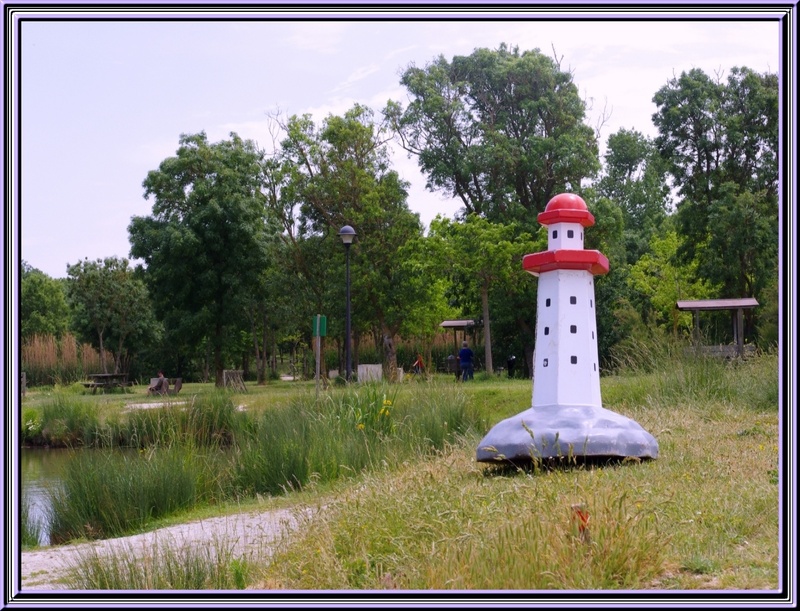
[{"x": 246, "y": 533}]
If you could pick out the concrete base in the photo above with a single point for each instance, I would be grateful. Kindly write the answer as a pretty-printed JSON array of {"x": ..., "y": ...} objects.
[{"x": 562, "y": 431}]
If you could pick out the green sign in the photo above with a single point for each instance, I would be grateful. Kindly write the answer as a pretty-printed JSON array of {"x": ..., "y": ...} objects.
[{"x": 320, "y": 326}]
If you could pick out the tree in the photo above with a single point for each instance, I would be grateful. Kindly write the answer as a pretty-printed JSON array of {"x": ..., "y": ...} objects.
[
  {"x": 336, "y": 175},
  {"x": 501, "y": 130},
  {"x": 481, "y": 257},
  {"x": 720, "y": 141},
  {"x": 111, "y": 308},
  {"x": 663, "y": 280},
  {"x": 43, "y": 304},
  {"x": 205, "y": 243},
  {"x": 634, "y": 179}
]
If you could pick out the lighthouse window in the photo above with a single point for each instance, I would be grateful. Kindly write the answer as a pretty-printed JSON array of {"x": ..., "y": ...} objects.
[
  {"x": 555, "y": 233},
  {"x": 573, "y": 328},
  {"x": 592, "y": 334},
  {"x": 547, "y": 302},
  {"x": 595, "y": 366},
  {"x": 547, "y": 330},
  {"x": 573, "y": 300},
  {"x": 573, "y": 360},
  {"x": 570, "y": 233},
  {"x": 544, "y": 363},
  {"x": 591, "y": 305}
]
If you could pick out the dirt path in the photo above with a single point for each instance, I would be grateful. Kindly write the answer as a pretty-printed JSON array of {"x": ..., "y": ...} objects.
[{"x": 246, "y": 533}]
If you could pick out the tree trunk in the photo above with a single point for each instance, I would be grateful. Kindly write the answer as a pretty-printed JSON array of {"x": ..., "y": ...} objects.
[
  {"x": 487, "y": 333},
  {"x": 218, "y": 366},
  {"x": 102, "y": 353},
  {"x": 389, "y": 357}
]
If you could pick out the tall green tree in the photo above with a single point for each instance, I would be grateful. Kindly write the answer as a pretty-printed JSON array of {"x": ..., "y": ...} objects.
[
  {"x": 111, "y": 308},
  {"x": 339, "y": 174},
  {"x": 502, "y": 130},
  {"x": 663, "y": 280},
  {"x": 205, "y": 243},
  {"x": 634, "y": 179},
  {"x": 720, "y": 139},
  {"x": 481, "y": 257},
  {"x": 43, "y": 304}
]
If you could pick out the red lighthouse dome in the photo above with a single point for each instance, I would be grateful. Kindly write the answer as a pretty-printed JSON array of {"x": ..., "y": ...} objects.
[{"x": 566, "y": 208}]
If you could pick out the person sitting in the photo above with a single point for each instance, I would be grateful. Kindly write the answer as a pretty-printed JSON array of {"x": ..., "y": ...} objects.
[{"x": 160, "y": 387}]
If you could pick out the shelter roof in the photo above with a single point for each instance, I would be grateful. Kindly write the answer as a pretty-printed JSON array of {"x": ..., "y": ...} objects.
[
  {"x": 457, "y": 324},
  {"x": 717, "y": 304}
]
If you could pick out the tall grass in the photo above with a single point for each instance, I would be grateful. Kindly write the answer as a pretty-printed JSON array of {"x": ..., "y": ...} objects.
[
  {"x": 357, "y": 428},
  {"x": 442, "y": 524},
  {"x": 50, "y": 360},
  {"x": 66, "y": 421},
  {"x": 165, "y": 566},
  {"x": 30, "y": 529},
  {"x": 670, "y": 371},
  {"x": 209, "y": 420},
  {"x": 209, "y": 451},
  {"x": 105, "y": 494}
]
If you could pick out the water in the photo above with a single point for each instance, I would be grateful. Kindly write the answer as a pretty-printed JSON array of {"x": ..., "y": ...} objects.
[{"x": 40, "y": 472}]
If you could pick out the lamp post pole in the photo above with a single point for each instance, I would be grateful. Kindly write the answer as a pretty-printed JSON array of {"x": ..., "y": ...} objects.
[{"x": 347, "y": 234}]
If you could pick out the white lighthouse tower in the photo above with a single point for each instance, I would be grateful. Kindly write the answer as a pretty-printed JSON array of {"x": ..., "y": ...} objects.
[{"x": 566, "y": 417}]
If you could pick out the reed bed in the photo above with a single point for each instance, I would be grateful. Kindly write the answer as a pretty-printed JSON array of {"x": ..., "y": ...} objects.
[{"x": 48, "y": 360}]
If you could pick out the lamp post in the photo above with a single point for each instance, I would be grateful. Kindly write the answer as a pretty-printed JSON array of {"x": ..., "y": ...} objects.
[{"x": 348, "y": 234}]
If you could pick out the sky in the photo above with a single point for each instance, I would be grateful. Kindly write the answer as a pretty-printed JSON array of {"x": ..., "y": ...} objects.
[{"x": 104, "y": 102}]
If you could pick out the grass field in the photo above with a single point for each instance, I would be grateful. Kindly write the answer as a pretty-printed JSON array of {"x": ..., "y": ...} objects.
[{"x": 703, "y": 516}]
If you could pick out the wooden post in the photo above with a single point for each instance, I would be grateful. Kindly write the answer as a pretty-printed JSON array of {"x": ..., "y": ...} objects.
[{"x": 740, "y": 332}]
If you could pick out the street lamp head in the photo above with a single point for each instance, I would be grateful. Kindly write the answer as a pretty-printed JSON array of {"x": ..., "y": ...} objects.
[{"x": 348, "y": 234}]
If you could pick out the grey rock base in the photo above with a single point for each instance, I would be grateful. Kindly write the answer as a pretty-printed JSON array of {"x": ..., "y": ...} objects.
[{"x": 566, "y": 431}]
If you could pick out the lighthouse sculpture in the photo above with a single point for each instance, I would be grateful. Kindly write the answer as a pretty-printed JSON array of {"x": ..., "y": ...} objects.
[{"x": 566, "y": 417}]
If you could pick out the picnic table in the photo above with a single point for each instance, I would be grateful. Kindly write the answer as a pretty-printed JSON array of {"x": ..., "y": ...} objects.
[{"x": 106, "y": 381}]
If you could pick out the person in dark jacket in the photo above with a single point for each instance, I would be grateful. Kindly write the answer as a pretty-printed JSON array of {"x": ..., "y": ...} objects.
[
  {"x": 160, "y": 387},
  {"x": 465, "y": 358}
]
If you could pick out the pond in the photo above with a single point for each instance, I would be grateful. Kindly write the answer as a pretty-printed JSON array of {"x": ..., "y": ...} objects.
[{"x": 40, "y": 471}]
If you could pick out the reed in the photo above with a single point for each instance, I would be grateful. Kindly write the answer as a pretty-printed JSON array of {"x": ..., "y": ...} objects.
[
  {"x": 69, "y": 421},
  {"x": 30, "y": 529},
  {"x": 105, "y": 494},
  {"x": 48, "y": 360}
]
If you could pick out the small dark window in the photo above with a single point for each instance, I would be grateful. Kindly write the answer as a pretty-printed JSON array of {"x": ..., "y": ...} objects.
[
  {"x": 570, "y": 233},
  {"x": 555, "y": 233},
  {"x": 592, "y": 334},
  {"x": 573, "y": 328},
  {"x": 573, "y": 300},
  {"x": 544, "y": 363},
  {"x": 595, "y": 366},
  {"x": 591, "y": 305},
  {"x": 573, "y": 360},
  {"x": 581, "y": 235},
  {"x": 547, "y": 330},
  {"x": 547, "y": 302}
]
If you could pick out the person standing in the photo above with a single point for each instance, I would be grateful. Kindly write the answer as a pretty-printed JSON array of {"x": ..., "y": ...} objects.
[{"x": 465, "y": 358}]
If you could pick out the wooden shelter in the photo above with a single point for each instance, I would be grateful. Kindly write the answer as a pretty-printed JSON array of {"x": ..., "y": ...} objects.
[
  {"x": 734, "y": 305},
  {"x": 457, "y": 325}
]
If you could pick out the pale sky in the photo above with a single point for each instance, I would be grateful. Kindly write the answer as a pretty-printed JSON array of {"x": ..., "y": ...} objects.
[{"x": 104, "y": 102}]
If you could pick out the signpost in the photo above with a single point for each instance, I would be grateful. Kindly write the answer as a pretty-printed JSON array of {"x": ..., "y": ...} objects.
[{"x": 319, "y": 330}]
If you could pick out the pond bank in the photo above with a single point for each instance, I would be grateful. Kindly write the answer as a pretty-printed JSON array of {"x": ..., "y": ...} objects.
[{"x": 253, "y": 533}]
